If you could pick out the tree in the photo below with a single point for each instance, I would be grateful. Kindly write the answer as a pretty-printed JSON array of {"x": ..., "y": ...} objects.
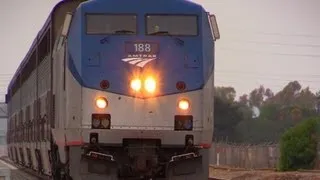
[
  {"x": 257, "y": 131},
  {"x": 277, "y": 112},
  {"x": 228, "y": 113},
  {"x": 268, "y": 93},
  {"x": 257, "y": 96},
  {"x": 298, "y": 146},
  {"x": 270, "y": 111},
  {"x": 226, "y": 94},
  {"x": 318, "y": 102},
  {"x": 292, "y": 102},
  {"x": 244, "y": 100},
  {"x": 288, "y": 94},
  {"x": 306, "y": 99},
  {"x": 226, "y": 117}
]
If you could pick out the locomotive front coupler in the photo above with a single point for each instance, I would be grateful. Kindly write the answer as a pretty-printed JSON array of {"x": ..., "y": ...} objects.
[
  {"x": 186, "y": 163},
  {"x": 94, "y": 152},
  {"x": 191, "y": 152}
]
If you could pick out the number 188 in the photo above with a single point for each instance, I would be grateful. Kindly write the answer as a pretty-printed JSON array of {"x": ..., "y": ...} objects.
[{"x": 142, "y": 47}]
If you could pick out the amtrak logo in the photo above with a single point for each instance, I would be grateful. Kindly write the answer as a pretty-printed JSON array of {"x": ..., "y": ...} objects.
[{"x": 139, "y": 60}]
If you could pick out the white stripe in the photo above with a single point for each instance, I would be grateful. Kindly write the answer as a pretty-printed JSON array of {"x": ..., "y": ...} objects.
[
  {"x": 140, "y": 62},
  {"x": 8, "y": 165},
  {"x": 135, "y": 61},
  {"x": 128, "y": 59},
  {"x": 143, "y": 63}
]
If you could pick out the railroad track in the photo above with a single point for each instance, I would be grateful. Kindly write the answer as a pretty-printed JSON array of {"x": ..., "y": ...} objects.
[
  {"x": 19, "y": 174},
  {"x": 36, "y": 176}
]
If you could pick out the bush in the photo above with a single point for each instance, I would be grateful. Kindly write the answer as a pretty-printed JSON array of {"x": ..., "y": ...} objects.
[{"x": 298, "y": 146}]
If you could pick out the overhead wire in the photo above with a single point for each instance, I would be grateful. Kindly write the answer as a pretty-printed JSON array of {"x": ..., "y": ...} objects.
[
  {"x": 232, "y": 82},
  {"x": 236, "y": 40},
  {"x": 268, "y": 77},
  {"x": 268, "y": 53},
  {"x": 239, "y": 40},
  {"x": 248, "y": 31},
  {"x": 245, "y": 79},
  {"x": 263, "y": 73},
  {"x": 311, "y": 78}
]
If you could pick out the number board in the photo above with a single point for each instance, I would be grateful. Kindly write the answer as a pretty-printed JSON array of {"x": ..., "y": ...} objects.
[{"x": 141, "y": 48}]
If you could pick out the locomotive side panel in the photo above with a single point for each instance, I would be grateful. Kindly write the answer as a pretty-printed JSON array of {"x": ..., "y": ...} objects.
[
  {"x": 68, "y": 99},
  {"x": 44, "y": 129},
  {"x": 208, "y": 89},
  {"x": 59, "y": 98},
  {"x": 15, "y": 105},
  {"x": 28, "y": 88},
  {"x": 15, "y": 102},
  {"x": 73, "y": 101},
  {"x": 29, "y": 97},
  {"x": 29, "y": 107},
  {"x": 59, "y": 86},
  {"x": 208, "y": 116}
]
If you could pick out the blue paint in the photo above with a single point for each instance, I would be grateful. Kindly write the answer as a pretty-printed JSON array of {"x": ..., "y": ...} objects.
[{"x": 93, "y": 58}]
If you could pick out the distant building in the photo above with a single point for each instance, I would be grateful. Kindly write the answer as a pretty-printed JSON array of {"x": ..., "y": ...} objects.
[{"x": 3, "y": 129}]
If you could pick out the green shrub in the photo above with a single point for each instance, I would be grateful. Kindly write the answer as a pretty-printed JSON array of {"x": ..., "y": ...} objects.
[{"x": 298, "y": 146}]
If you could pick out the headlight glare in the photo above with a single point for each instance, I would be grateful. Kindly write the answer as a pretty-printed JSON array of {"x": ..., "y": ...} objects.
[
  {"x": 136, "y": 84},
  {"x": 150, "y": 84},
  {"x": 184, "y": 104},
  {"x": 101, "y": 102}
]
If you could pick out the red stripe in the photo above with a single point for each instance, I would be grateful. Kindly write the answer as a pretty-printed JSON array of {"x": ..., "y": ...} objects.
[{"x": 205, "y": 145}]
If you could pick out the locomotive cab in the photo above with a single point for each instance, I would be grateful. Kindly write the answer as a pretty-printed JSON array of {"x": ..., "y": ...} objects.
[{"x": 145, "y": 78}]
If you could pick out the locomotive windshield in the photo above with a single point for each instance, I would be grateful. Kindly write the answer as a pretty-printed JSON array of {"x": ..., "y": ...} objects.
[
  {"x": 111, "y": 24},
  {"x": 178, "y": 25}
]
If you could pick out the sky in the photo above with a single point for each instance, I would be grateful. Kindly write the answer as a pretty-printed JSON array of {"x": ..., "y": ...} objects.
[{"x": 263, "y": 42}]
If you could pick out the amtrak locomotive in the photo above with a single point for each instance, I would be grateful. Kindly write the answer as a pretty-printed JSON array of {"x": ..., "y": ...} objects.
[{"x": 116, "y": 89}]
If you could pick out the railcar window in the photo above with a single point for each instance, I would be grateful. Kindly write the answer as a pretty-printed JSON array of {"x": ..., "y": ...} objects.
[
  {"x": 111, "y": 24},
  {"x": 183, "y": 25}
]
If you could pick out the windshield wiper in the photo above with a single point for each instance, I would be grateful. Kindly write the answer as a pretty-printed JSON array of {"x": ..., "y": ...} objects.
[
  {"x": 178, "y": 40},
  {"x": 161, "y": 33},
  {"x": 123, "y": 31}
]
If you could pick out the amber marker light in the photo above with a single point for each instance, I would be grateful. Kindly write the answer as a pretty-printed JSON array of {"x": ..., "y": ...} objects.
[
  {"x": 101, "y": 102},
  {"x": 184, "y": 104},
  {"x": 150, "y": 84},
  {"x": 136, "y": 84}
]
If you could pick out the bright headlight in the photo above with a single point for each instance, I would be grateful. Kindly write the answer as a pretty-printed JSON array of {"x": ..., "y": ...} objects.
[
  {"x": 101, "y": 102},
  {"x": 184, "y": 104},
  {"x": 150, "y": 84},
  {"x": 136, "y": 84}
]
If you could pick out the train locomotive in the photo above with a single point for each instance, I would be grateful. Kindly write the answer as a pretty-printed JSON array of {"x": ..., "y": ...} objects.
[{"x": 116, "y": 89}]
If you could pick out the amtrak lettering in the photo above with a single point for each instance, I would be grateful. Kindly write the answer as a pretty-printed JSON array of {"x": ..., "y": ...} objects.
[{"x": 142, "y": 56}]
